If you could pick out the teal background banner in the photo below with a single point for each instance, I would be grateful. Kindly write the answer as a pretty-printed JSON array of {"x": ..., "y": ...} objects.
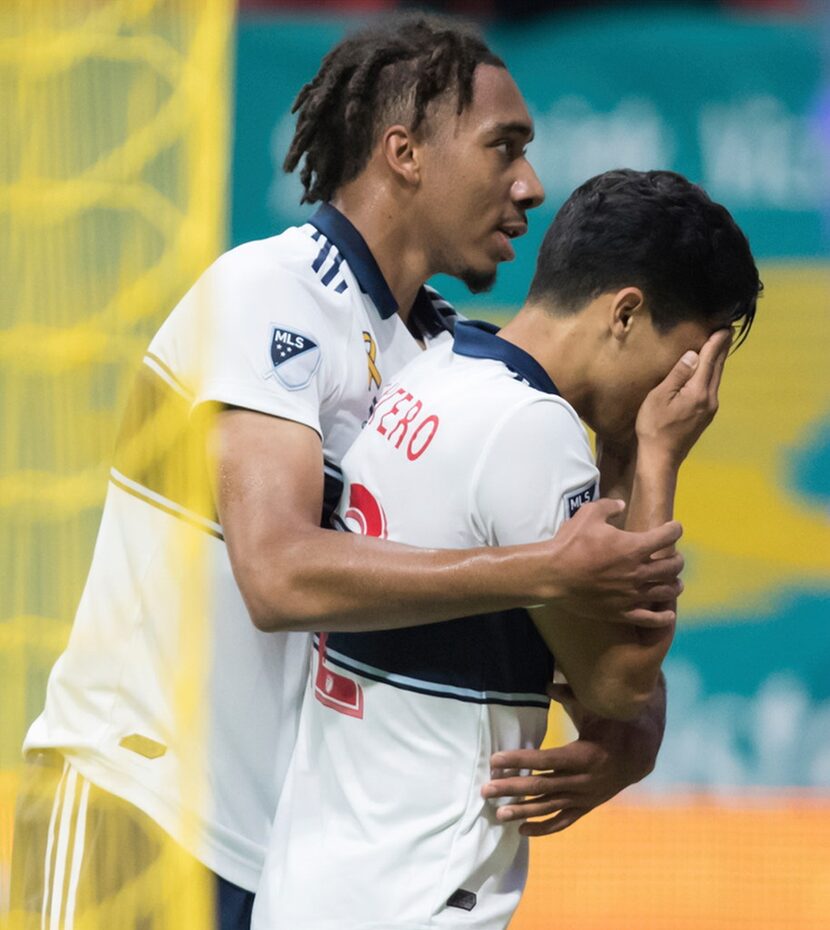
[
  {"x": 740, "y": 106},
  {"x": 733, "y": 103}
]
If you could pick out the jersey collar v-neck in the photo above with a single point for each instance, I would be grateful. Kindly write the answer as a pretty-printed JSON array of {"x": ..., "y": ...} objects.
[
  {"x": 352, "y": 246},
  {"x": 339, "y": 230},
  {"x": 478, "y": 339}
]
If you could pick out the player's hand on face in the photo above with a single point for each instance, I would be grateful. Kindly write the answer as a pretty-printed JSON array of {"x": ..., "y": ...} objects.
[
  {"x": 678, "y": 410},
  {"x": 608, "y": 573},
  {"x": 569, "y": 781}
]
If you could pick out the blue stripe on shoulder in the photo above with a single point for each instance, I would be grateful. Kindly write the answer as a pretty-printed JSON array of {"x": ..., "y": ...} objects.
[
  {"x": 317, "y": 264},
  {"x": 331, "y": 274}
]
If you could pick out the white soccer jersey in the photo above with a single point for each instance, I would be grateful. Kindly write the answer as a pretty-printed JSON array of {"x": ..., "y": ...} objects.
[
  {"x": 301, "y": 326},
  {"x": 381, "y": 823}
]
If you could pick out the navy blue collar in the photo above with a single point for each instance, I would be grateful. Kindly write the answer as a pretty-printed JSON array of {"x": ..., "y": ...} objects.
[
  {"x": 478, "y": 339},
  {"x": 352, "y": 246}
]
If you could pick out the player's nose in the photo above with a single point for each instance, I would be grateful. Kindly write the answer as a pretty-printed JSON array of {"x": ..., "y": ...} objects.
[{"x": 527, "y": 191}]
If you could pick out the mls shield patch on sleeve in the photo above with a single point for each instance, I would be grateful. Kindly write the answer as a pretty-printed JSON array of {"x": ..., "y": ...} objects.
[
  {"x": 575, "y": 499},
  {"x": 294, "y": 357}
]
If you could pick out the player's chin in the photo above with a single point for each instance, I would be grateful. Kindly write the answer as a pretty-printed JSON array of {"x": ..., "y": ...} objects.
[{"x": 479, "y": 280}]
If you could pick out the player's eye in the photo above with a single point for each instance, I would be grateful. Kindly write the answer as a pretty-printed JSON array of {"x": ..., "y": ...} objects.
[{"x": 511, "y": 149}]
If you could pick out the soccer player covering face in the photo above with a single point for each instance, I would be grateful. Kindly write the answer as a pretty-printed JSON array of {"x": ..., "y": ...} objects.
[
  {"x": 387, "y": 818},
  {"x": 412, "y": 137}
]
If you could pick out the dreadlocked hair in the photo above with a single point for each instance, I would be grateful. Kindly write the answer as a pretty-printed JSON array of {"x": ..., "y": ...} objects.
[{"x": 383, "y": 74}]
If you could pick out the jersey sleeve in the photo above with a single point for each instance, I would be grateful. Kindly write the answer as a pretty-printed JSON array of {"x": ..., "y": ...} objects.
[
  {"x": 535, "y": 471},
  {"x": 254, "y": 334}
]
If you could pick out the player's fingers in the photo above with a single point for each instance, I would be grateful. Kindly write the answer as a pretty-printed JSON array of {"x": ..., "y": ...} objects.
[
  {"x": 500, "y": 774},
  {"x": 555, "y": 824},
  {"x": 603, "y": 509},
  {"x": 661, "y": 537},
  {"x": 683, "y": 371},
  {"x": 716, "y": 344},
  {"x": 534, "y": 786},
  {"x": 573, "y": 757},
  {"x": 661, "y": 571},
  {"x": 717, "y": 371},
  {"x": 535, "y": 807},
  {"x": 521, "y": 787},
  {"x": 647, "y": 618},
  {"x": 663, "y": 593}
]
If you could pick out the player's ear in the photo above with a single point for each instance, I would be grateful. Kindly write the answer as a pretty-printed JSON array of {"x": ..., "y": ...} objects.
[
  {"x": 402, "y": 154},
  {"x": 626, "y": 308}
]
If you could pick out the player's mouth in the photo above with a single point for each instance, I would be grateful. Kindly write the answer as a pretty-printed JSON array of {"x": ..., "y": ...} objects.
[{"x": 505, "y": 233}]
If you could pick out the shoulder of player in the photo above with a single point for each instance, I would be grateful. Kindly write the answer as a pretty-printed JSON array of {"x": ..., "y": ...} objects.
[
  {"x": 270, "y": 269},
  {"x": 536, "y": 442},
  {"x": 261, "y": 283},
  {"x": 494, "y": 410},
  {"x": 485, "y": 390},
  {"x": 286, "y": 256},
  {"x": 533, "y": 423},
  {"x": 536, "y": 409},
  {"x": 502, "y": 389}
]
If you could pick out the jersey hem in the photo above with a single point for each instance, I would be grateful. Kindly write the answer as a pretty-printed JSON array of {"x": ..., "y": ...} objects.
[{"x": 211, "y": 852}]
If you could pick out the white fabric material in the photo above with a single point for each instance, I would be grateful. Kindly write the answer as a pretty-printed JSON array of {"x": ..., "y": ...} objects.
[{"x": 382, "y": 820}]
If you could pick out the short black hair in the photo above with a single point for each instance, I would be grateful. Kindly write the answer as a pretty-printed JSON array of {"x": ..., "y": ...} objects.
[
  {"x": 657, "y": 231},
  {"x": 389, "y": 72}
]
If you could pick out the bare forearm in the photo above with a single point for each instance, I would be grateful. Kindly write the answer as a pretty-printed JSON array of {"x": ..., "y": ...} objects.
[
  {"x": 326, "y": 580},
  {"x": 614, "y": 671},
  {"x": 636, "y": 742},
  {"x": 652, "y": 493},
  {"x": 620, "y": 680},
  {"x": 652, "y": 503},
  {"x": 295, "y": 575}
]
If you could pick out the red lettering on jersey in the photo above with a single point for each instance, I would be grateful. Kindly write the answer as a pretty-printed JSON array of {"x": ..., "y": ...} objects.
[
  {"x": 397, "y": 430},
  {"x": 339, "y": 692},
  {"x": 403, "y": 423},
  {"x": 386, "y": 395},
  {"x": 391, "y": 411},
  {"x": 413, "y": 452}
]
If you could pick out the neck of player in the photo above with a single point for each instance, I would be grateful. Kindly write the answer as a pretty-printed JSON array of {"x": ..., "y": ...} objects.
[
  {"x": 567, "y": 347},
  {"x": 397, "y": 248}
]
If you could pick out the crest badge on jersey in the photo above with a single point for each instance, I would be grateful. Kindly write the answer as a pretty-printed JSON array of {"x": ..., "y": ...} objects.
[
  {"x": 575, "y": 499},
  {"x": 295, "y": 357}
]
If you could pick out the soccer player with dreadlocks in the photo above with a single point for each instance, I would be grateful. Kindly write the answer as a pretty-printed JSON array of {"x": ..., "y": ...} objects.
[{"x": 412, "y": 137}]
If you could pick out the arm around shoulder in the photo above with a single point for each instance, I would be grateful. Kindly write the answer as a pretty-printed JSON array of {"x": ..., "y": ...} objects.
[{"x": 295, "y": 575}]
